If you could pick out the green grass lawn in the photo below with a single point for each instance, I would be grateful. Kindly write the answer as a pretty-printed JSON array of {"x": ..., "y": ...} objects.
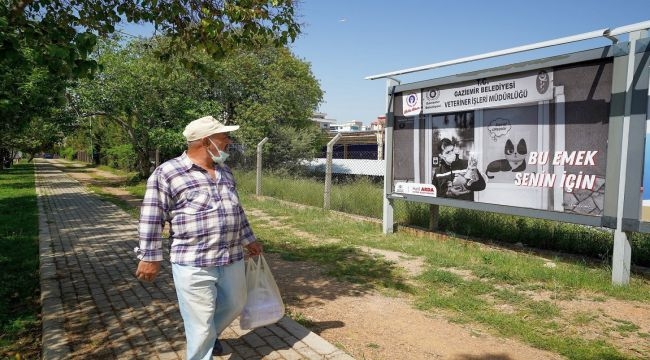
[{"x": 19, "y": 279}]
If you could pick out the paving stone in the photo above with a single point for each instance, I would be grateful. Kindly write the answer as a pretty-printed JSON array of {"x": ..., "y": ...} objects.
[
  {"x": 268, "y": 353},
  {"x": 308, "y": 353},
  {"x": 245, "y": 351},
  {"x": 319, "y": 344},
  {"x": 253, "y": 339}
]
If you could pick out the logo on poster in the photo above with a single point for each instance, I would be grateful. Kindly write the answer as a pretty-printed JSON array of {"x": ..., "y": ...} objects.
[
  {"x": 431, "y": 99},
  {"x": 412, "y": 104},
  {"x": 432, "y": 94},
  {"x": 411, "y": 100},
  {"x": 543, "y": 82},
  {"x": 416, "y": 189}
]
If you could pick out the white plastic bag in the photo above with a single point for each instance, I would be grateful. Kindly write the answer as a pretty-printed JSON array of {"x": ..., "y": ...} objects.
[{"x": 264, "y": 304}]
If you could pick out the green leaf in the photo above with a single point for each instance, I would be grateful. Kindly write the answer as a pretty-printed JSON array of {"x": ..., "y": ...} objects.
[{"x": 57, "y": 51}]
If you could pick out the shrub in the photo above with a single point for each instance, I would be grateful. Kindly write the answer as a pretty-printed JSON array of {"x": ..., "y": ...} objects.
[
  {"x": 120, "y": 157},
  {"x": 640, "y": 249},
  {"x": 67, "y": 153}
]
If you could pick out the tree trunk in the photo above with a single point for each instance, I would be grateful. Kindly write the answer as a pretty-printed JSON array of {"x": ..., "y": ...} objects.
[{"x": 143, "y": 163}]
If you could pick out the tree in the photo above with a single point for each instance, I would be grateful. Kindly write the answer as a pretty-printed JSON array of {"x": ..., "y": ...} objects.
[
  {"x": 58, "y": 37},
  {"x": 270, "y": 93},
  {"x": 267, "y": 91},
  {"x": 65, "y": 32},
  {"x": 30, "y": 96},
  {"x": 151, "y": 101},
  {"x": 42, "y": 135}
]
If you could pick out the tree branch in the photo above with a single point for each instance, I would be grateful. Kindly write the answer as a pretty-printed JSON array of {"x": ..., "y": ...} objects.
[{"x": 19, "y": 8}]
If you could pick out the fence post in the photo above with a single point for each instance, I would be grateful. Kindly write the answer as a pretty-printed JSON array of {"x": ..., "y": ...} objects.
[
  {"x": 380, "y": 143},
  {"x": 258, "y": 183},
  {"x": 328, "y": 171}
]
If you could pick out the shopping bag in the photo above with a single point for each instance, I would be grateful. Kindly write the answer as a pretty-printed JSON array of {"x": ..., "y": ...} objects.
[{"x": 264, "y": 304}]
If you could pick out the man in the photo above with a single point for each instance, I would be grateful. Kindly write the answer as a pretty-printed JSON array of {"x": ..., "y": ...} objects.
[
  {"x": 455, "y": 177},
  {"x": 196, "y": 194}
]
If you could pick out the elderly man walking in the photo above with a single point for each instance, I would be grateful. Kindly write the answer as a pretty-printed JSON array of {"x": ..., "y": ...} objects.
[{"x": 195, "y": 193}]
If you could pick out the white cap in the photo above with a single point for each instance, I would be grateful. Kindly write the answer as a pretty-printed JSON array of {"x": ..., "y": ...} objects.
[{"x": 206, "y": 126}]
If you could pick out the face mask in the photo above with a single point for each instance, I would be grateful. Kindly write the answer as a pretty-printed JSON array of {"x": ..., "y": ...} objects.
[{"x": 222, "y": 154}]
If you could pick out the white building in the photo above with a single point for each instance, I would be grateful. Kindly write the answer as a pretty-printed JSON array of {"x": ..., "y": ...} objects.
[
  {"x": 323, "y": 122},
  {"x": 379, "y": 124},
  {"x": 347, "y": 126},
  {"x": 331, "y": 125}
]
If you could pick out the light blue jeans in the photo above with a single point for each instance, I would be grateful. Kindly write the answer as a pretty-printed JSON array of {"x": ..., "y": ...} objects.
[{"x": 210, "y": 299}]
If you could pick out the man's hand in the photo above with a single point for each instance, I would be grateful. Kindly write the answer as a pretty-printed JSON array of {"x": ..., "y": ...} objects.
[
  {"x": 147, "y": 270},
  {"x": 254, "y": 248}
]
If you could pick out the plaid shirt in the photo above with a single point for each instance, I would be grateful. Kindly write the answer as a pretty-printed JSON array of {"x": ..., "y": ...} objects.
[{"x": 208, "y": 225}]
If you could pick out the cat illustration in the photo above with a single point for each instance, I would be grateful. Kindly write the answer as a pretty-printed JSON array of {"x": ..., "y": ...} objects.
[{"x": 515, "y": 160}]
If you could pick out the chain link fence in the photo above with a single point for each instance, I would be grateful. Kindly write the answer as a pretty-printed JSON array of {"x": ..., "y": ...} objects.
[{"x": 352, "y": 183}]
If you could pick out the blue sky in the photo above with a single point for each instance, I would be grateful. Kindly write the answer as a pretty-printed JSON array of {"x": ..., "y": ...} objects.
[{"x": 345, "y": 41}]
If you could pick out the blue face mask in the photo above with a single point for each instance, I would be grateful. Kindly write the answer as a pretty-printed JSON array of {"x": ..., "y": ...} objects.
[{"x": 222, "y": 154}]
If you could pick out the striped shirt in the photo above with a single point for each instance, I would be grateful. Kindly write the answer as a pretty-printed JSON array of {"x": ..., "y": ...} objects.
[{"x": 208, "y": 226}]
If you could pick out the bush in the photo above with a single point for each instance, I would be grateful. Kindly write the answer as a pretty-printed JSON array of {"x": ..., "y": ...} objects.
[
  {"x": 67, "y": 153},
  {"x": 120, "y": 157},
  {"x": 640, "y": 249}
]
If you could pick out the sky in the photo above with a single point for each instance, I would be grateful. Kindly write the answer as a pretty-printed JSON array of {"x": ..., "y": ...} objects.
[{"x": 346, "y": 41}]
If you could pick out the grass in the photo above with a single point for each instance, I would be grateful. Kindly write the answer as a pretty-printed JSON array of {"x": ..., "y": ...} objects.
[
  {"x": 19, "y": 278},
  {"x": 124, "y": 205},
  {"x": 361, "y": 197},
  {"x": 301, "y": 319},
  {"x": 510, "y": 293}
]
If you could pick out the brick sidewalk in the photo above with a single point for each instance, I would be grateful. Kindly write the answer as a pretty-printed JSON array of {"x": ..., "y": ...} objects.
[{"x": 95, "y": 308}]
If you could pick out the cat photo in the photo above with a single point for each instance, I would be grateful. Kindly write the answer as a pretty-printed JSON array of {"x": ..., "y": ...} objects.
[{"x": 515, "y": 159}]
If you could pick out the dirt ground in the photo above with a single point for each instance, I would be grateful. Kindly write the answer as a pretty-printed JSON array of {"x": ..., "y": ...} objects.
[{"x": 370, "y": 325}]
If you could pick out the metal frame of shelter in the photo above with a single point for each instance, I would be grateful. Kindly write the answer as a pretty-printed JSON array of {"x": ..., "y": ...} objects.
[{"x": 628, "y": 118}]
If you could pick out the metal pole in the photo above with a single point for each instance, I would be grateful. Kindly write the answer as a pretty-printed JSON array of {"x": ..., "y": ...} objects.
[
  {"x": 258, "y": 183},
  {"x": 387, "y": 207},
  {"x": 92, "y": 150},
  {"x": 622, "y": 254},
  {"x": 328, "y": 171}
]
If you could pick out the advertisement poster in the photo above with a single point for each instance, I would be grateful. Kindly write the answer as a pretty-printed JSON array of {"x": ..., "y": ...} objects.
[{"x": 534, "y": 139}]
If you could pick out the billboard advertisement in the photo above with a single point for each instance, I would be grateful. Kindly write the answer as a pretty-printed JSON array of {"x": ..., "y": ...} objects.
[{"x": 534, "y": 139}]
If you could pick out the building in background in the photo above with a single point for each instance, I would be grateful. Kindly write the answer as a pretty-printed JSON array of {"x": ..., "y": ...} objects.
[
  {"x": 358, "y": 141},
  {"x": 353, "y": 125},
  {"x": 323, "y": 122},
  {"x": 379, "y": 124}
]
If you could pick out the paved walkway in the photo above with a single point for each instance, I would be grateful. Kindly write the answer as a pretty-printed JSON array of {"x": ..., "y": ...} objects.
[{"x": 95, "y": 308}]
